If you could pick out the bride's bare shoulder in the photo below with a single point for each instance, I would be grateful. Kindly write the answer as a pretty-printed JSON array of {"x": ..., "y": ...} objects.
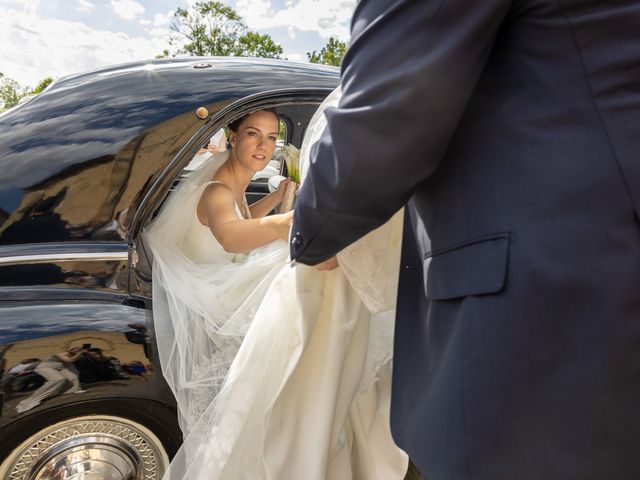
[
  {"x": 217, "y": 200},
  {"x": 217, "y": 185}
]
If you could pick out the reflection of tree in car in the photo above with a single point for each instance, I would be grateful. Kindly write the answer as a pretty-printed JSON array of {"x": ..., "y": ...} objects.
[{"x": 37, "y": 214}]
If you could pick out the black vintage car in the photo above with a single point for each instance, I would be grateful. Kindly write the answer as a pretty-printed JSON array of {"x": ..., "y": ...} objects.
[{"x": 84, "y": 166}]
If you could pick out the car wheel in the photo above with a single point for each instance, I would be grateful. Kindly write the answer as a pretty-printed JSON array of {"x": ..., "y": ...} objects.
[{"x": 88, "y": 447}]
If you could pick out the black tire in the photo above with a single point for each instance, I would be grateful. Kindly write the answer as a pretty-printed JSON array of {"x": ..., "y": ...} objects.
[{"x": 141, "y": 435}]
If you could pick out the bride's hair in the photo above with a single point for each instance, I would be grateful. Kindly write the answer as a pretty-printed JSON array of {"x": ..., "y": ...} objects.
[{"x": 235, "y": 125}]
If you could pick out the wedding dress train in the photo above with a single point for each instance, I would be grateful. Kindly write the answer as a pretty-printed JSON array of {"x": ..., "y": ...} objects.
[{"x": 281, "y": 372}]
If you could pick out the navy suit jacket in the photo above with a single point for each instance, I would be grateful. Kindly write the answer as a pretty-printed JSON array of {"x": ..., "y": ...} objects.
[{"x": 511, "y": 129}]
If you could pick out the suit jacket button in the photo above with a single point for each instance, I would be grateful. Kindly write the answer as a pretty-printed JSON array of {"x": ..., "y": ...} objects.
[{"x": 296, "y": 241}]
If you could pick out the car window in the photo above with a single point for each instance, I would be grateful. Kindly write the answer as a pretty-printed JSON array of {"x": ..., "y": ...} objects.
[
  {"x": 294, "y": 117},
  {"x": 217, "y": 143}
]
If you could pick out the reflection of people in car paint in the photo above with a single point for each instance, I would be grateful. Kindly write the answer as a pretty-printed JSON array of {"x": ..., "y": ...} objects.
[
  {"x": 19, "y": 375},
  {"x": 97, "y": 366},
  {"x": 138, "y": 335},
  {"x": 57, "y": 370}
]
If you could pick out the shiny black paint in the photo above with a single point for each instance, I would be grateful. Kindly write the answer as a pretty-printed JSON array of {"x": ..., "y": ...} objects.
[
  {"x": 116, "y": 129},
  {"x": 83, "y": 167},
  {"x": 121, "y": 330},
  {"x": 44, "y": 264}
]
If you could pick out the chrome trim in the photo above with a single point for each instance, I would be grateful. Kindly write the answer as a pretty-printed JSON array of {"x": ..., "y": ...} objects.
[
  {"x": 100, "y": 446},
  {"x": 64, "y": 257},
  {"x": 98, "y": 456}
]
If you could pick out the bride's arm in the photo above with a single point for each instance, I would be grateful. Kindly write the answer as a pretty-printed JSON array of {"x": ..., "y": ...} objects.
[
  {"x": 263, "y": 206},
  {"x": 240, "y": 235}
]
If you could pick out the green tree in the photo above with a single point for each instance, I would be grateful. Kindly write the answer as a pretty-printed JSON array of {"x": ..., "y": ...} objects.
[
  {"x": 252, "y": 44},
  {"x": 331, "y": 54},
  {"x": 10, "y": 92},
  {"x": 212, "y": 28},
  {"x": 44, "y": 83}
]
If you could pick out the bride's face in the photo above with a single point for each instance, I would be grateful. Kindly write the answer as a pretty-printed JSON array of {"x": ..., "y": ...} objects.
[{"x": 255, "y": 140}]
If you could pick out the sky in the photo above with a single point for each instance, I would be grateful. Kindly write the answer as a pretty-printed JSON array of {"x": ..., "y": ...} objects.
[{"x": 40, "y": 38}]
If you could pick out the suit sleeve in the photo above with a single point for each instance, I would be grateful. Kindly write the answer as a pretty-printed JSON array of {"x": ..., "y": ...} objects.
[{"x": 406, "y": 79}]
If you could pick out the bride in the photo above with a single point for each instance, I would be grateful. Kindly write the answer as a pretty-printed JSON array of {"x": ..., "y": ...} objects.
[{"x": 280, "y": 371}]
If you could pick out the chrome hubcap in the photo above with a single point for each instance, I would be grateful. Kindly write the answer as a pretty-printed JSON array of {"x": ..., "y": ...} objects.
[{"x": 89, "y": 448}]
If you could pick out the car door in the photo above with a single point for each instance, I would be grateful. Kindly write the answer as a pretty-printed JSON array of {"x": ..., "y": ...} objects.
[
  {"x": 85, "y": 166},
  {"x": 295, "y": 108}
]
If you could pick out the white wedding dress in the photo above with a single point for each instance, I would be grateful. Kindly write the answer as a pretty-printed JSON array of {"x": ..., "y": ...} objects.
[{"x": 280, "y": 371}]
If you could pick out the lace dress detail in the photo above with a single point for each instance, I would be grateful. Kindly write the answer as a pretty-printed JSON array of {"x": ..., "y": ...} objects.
[
  {"x": 371, "y": 264},
  {"x": 209, "y": 372}
]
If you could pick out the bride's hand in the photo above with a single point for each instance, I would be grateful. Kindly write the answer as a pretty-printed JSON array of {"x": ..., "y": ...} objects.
[
  {"x": 282, "y": 188},
  {"x": 328, "y": 265},
  {"x": 284, "y": 224}
]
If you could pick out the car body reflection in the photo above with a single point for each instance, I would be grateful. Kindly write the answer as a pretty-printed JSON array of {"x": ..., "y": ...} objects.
[
  {"x": 85, "y": 167},
  {"x": 95, "y": 352}
]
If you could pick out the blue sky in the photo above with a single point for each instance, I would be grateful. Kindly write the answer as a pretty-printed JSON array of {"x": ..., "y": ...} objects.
[{"x": 59, "y": 37}]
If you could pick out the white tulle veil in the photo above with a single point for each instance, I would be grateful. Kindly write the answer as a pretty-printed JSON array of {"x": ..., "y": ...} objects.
[
  {"x": 225, "y": 387},
  {"x": 202, "y": 310}
]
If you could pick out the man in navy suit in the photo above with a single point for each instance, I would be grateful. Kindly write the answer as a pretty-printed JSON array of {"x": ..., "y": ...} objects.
[{"x": 515, "y": 144}]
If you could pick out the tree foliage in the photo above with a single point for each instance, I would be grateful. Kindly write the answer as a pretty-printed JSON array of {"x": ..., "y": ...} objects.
[
  {"x": 331, "y": 54},
  {"x": 44, "y": 83},
  {"x": 212, "y": 28},
  {"x": 10, "y": 91},
  {"x": 252, "y": 44}
]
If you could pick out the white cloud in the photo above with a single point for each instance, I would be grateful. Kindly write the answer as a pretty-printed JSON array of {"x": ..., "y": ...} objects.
[
  {"x": 160, "y": 20},
  {"x": 34, "y": 45},
  {"x": 327, "y": 17},
  {"x": 32, "y": 48},
  {"x": 159, "y": 33},
  {"x": 127, "y": 9},
  {"x": 297, "y": 57},
  {"x": 85, "y": 6},
  {"x": 27, "y": 7}
]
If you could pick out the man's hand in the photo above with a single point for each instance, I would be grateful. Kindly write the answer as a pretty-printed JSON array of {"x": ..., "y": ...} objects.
[{"x": 328, "y": 265}]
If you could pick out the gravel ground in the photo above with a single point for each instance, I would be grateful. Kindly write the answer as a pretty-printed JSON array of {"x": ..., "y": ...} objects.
[{"x": 412, "y": 473}]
